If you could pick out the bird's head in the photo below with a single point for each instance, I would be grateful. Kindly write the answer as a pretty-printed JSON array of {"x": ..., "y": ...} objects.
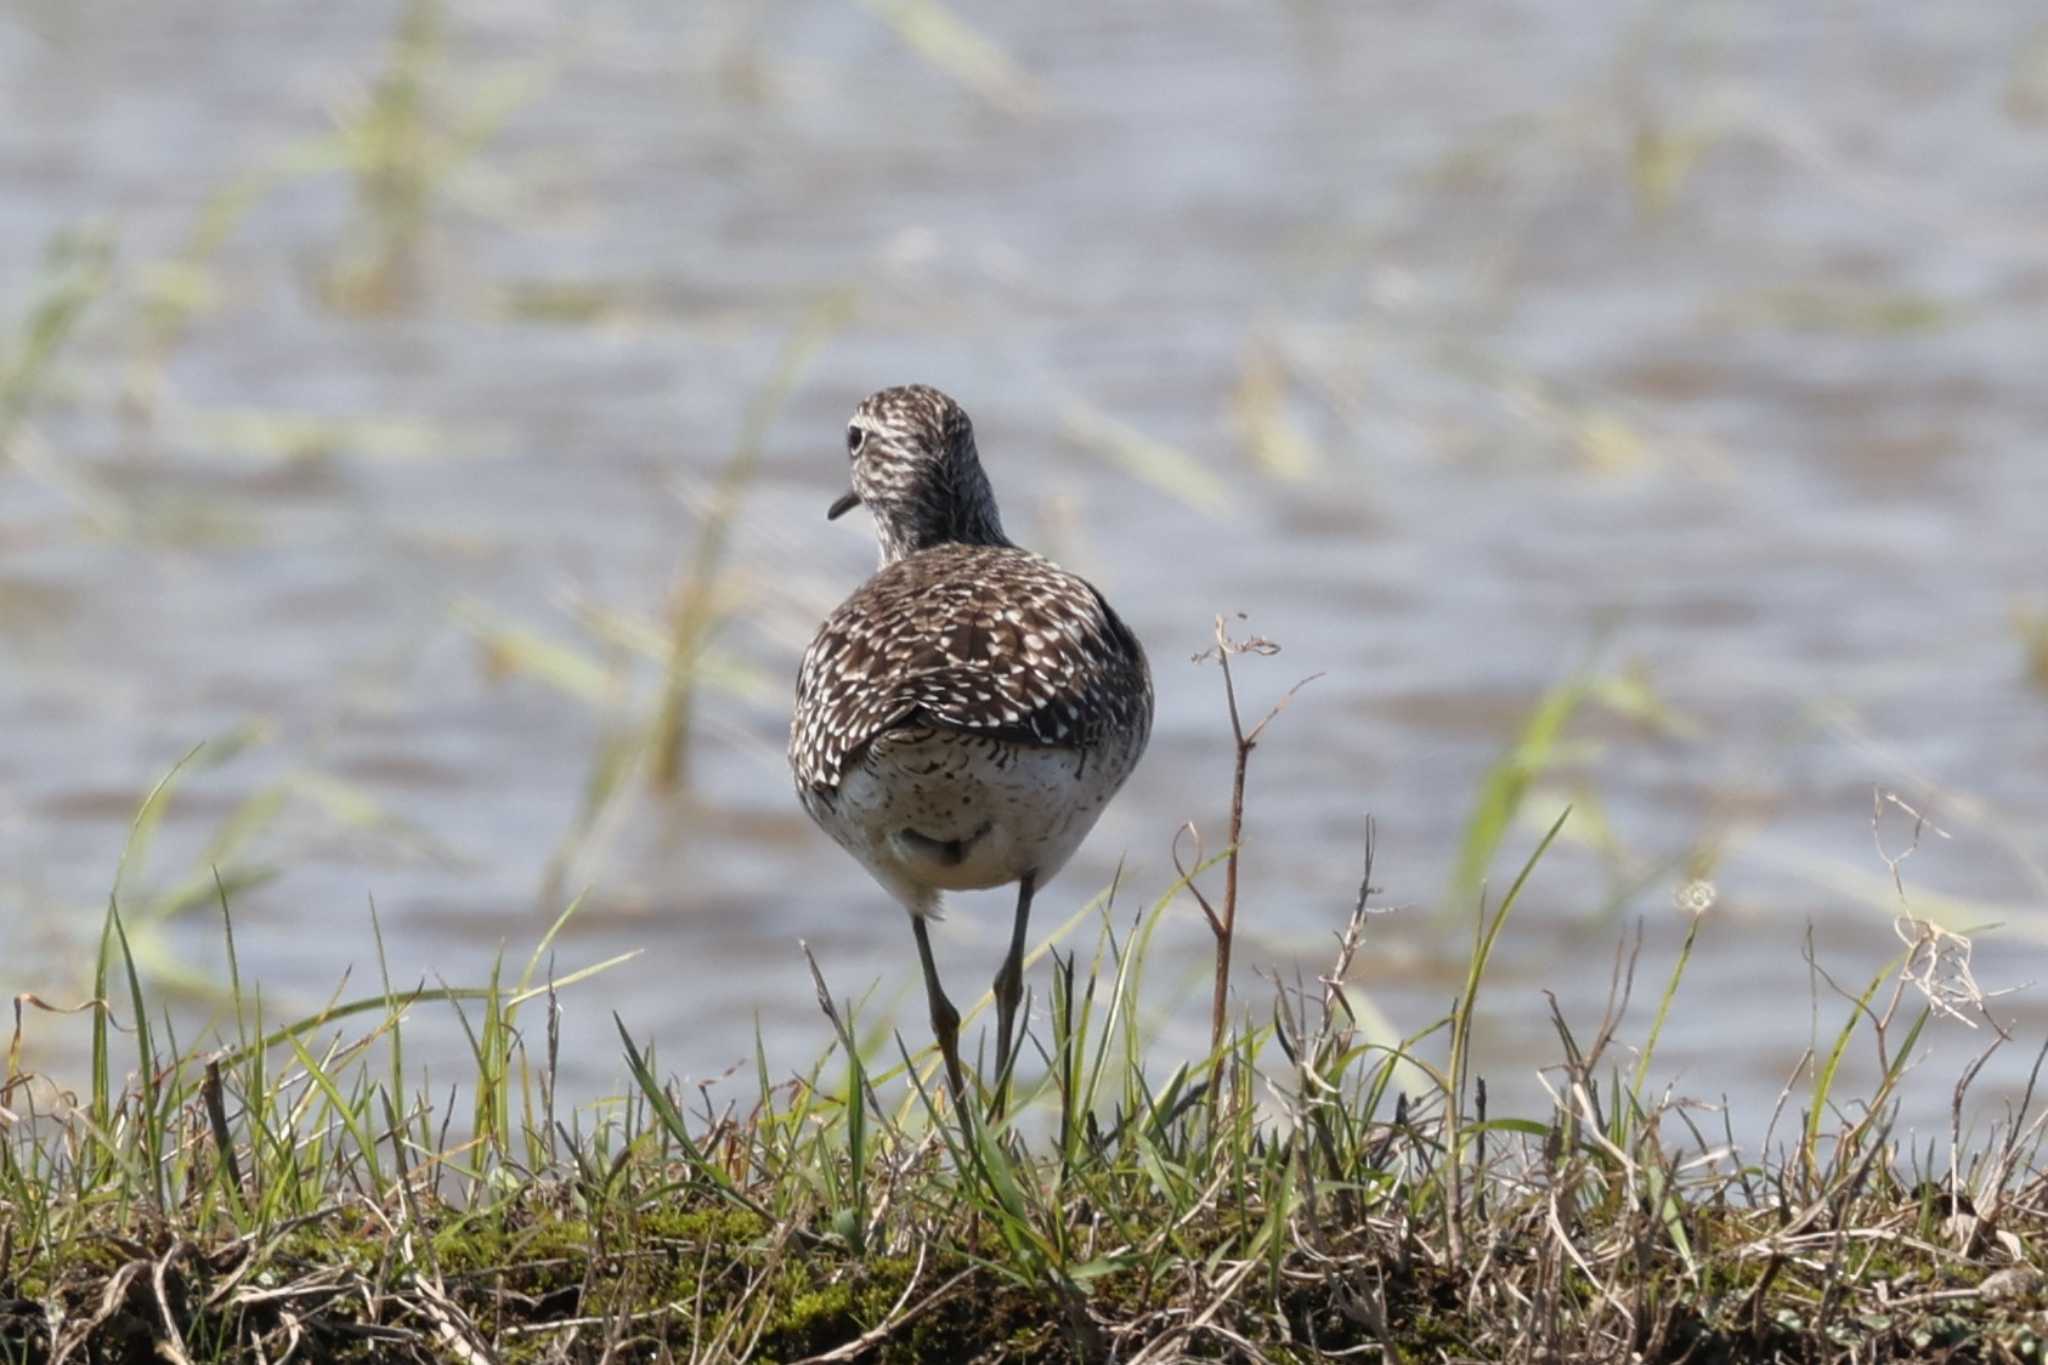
[{"x": 913, "y": 465}]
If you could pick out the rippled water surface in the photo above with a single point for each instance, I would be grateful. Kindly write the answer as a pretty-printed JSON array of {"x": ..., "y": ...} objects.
[{"x": 394, "y": 374}]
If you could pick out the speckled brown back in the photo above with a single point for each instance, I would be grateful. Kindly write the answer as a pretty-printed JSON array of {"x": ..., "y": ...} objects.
[{"x": 988, "y": 639}]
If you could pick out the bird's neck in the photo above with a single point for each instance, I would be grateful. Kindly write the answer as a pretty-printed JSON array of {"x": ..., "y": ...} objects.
[{"x": 962, "y": 515}]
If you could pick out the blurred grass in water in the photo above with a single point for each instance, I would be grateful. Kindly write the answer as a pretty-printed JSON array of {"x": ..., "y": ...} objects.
[
  {"x": 76, "y": 271},
  {"x": 409, "y": 146},
  {"x": 940, "y": 37},
  {"x": 695, "y": 610},
  {"x": 1542, "y": 754}
]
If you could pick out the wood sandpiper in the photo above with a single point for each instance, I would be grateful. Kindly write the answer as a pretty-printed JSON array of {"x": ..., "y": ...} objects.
[{"x": 962, "y": 719}]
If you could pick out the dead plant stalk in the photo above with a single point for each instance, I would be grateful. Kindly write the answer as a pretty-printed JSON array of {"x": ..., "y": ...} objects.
[{"x": 1224, "y": 924}]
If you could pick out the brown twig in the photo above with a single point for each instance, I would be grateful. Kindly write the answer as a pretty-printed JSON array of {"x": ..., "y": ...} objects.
[
  {"x": 217, "y": 1118},
  {"x": 1223, "y": 924}
]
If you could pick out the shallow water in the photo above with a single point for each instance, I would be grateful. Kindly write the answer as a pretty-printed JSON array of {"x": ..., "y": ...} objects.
[{"x": 1694, "y": 345}]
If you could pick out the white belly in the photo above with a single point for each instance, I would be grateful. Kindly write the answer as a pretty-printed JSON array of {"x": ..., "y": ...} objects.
[{"x": 927, "y": 811}]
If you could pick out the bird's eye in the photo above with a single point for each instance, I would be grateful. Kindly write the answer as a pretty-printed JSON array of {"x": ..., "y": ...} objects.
[{"x": 855, "y": 439}]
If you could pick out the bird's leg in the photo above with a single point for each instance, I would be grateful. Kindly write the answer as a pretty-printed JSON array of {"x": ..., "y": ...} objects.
[
  {"x": 1009, "y": 988},
  {"x": 945, "y": 1019}
]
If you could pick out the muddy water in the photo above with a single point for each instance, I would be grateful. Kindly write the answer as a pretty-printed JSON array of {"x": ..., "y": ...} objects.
[{"x": 1461, "y": 347}]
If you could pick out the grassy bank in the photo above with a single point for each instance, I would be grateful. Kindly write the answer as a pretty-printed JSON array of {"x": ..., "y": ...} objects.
[{"x": 1303, "y": 1193}]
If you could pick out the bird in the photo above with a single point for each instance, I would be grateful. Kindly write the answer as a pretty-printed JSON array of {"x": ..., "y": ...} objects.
[{"x": 964, "y": 716}]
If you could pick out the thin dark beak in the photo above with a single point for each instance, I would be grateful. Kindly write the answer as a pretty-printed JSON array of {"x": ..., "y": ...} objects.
[{"x": 840, "y": 508}]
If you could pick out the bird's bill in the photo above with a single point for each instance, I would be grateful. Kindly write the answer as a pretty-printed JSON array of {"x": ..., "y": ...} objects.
[{"x": 846, "y": 503}]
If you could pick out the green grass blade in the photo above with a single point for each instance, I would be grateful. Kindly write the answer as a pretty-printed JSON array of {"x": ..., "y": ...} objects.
[{"x": 1692, "y": 933}]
